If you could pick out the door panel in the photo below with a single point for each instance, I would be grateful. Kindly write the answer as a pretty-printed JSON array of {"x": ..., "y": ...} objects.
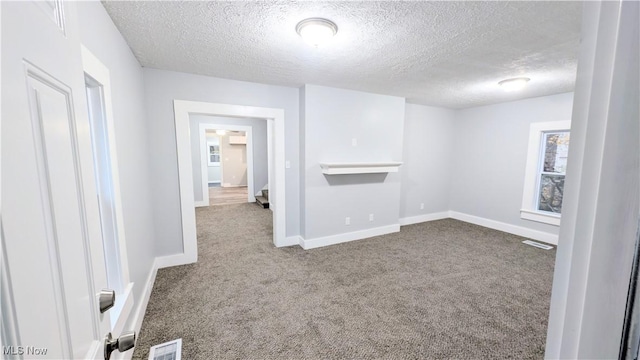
[
  {"x": 53, "y": 128},
  {"x": 50, "y": 215}
]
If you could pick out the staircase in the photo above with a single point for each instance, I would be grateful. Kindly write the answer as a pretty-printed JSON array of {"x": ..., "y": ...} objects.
[{"x": 264, "y": 199}]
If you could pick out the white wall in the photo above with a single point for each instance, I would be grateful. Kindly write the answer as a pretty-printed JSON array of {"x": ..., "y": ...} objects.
[
  {"x": 161, "y": 88},
  {"x": 428, "y": 160},
  {"x": 490, "y": 154},
  {"x": 332, "y": 118},
  {"x": 260, "y": 154},
  {"x": 101, "y": 37}
]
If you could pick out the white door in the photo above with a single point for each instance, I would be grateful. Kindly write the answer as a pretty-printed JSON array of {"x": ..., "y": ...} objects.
[{"x": 53, "y": 262}]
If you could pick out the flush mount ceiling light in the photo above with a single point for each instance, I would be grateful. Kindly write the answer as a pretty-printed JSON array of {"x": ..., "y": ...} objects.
[
  {"x": 221, "y": 132},
  {"x": 514, "y": 84},
  {"x": 316, "y": 31}
]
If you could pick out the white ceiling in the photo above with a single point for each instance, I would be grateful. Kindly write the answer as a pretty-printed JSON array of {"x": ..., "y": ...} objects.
[{"x": 449, "y": 54}]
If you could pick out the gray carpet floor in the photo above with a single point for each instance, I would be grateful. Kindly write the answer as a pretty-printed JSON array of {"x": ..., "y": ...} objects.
[{"x": 438, "y": 290}]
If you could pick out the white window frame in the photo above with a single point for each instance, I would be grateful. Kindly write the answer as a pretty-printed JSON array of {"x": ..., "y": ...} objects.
[
  {"x": 120, "y": 312},
  {"x": 529, "y": 210},
  {"x": 209, "y": 145}
]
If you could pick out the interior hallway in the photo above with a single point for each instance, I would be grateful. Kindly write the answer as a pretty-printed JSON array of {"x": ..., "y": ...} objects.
[{"x": 441, "y": 289}]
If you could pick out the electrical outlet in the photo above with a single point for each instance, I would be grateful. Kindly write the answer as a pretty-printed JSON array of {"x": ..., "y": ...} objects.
[
  {"x": 347, "y": 221},
  {"x": 287, "y": 164},
  {"x": 370, "y": 217},
  {"x": 421, "y": 206}
]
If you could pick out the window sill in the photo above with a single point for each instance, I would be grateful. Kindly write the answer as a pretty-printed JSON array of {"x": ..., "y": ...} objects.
[{"x": 541, "y": 217}]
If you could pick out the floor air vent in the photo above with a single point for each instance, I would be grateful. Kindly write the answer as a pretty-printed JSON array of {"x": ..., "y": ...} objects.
[
  {"x": 537, "y": 244},
  {"x": 168, "y": 351}
]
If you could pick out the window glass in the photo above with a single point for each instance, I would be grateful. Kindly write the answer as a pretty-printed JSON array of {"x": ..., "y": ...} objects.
[{"x": 555, "y": 150}]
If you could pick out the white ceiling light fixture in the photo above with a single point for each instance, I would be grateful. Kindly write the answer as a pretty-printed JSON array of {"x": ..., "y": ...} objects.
[
  {"x": 514, "y": 84},
  {"x": 221, "y": 132},
  {"x": 316, "y": 31}
]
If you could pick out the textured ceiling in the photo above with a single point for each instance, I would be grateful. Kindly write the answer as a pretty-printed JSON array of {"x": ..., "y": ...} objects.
[{"x": 449, "y": 54}]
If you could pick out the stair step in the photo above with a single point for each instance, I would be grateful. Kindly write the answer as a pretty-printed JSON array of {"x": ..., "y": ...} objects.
[
  {"x": 265, "y": 194},
  {"x": 262, "y": 201}
]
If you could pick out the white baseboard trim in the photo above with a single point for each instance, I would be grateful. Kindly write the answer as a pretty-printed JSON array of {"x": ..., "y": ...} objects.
[
  {"x": 350, "y": 236},
  {"x": 135, "y": 322},
  {"x": 173, "y": 260},
  {"x": 146, "y": 295},
  {"x": 201, "y": 203},
  {"x": 292, "y": 240},
  {"x": 424, "y": 218},
  {"x": 509, "y": 228},
  {"x": 228, "y": 185}
]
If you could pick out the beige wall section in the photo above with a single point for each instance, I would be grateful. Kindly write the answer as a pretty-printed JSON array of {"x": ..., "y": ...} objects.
[{"x": 234, "y": 161}]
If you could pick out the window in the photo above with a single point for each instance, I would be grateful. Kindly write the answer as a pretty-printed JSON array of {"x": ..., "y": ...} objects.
[
  {"x": 544, "y": 176},
  {"x": 213, "y": 154},
  {"x": 101, "y": 126},
  {"x": 553, "y": 164}
]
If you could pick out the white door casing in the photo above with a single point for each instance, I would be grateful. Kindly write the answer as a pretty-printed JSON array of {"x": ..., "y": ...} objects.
[
  {"x": 100, "y": 75},
  {"x": 275, "y": 140},
  {"x": 50, "y": 217}
]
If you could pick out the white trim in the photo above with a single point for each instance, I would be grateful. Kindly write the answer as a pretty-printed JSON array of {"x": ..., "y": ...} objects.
[
  {"x": 182, "y": 109},
  {"x": 529, "y": 192},
  {"x": 350, "y": 236},
  {"x": 119, "y": 315},
  {"x": 509, "y": 228},
  {"x": 203, "y": 127},
  {"x": 10, "y": 333},
  {"x": 93, "y": 67},
  {"x": 423, "y": 218},
  {"x": 537, "y": 244},
  {"x": 122, "y": 309},
  {"x": 136, "y": 320},
  {"x": 541, "y": 217},
  {"x": 359, "y": 168},
  {"x": 169, "y": 260},
  {"x": 141, "y": 309},
  {"x": 270, "y": 172},
  {"x": 293, "y": 240}
]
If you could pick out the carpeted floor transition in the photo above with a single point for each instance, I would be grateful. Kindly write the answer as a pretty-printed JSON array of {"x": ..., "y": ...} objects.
[{"x": 442, "y": 289}]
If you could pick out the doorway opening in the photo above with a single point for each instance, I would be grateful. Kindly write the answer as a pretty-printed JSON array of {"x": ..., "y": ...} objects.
[
  {"x": 230, "y": 159},
  {"x": 183, "y": 110},
  {"x": 227, "y": 168}
]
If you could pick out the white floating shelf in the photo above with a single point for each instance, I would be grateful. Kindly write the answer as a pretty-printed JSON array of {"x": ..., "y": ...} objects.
[{"x": 359, "y": 168}]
